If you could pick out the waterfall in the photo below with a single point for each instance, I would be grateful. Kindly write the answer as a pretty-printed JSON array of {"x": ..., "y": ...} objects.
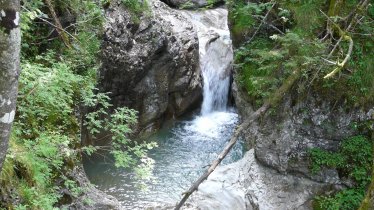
[{"x": 216, "y": 55}]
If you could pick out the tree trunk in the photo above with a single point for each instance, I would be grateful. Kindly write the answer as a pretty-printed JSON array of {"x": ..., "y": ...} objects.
[{"x": 10, "y": 40}]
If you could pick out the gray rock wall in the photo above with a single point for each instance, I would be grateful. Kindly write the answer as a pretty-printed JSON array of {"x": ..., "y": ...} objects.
[
  {"x": 151, "y": 64},
  {"x": 281, "y": 140}
]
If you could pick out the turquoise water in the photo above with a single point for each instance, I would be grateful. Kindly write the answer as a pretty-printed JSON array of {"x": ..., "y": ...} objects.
[{"x": 186, "y": 148}]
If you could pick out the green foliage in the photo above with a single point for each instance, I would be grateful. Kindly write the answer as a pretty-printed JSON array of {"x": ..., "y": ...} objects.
[
  {"x": 38, "y": 161},
  {"x": 136, "y": 7},
  {"x": 348, "y": 199},
  {"x": 210, "y": 4},
  {"x": 46, "y": 98},
  {"x": 54, "y": 84},
  {"x": 127, "y": 153},
  {"x": 263, "y": 67},
  {"x": 353, "y": 161},
  {"x": 187, "y": 5},
  {"x": 321, "y": 158},
  {"x": 242, "y": 15},
  {"x": 44, "y": 136},
  {"x": 264, "y": 63},
  {"x": 307, "y": 18}
]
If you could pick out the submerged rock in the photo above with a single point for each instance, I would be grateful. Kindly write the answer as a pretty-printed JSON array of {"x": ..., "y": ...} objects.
[{"x": 151, "y": 64}]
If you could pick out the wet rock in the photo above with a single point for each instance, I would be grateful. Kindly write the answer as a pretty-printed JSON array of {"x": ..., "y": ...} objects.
[
  {"x": 247, "y": 184},
  {"x": 151, "y": 64}
]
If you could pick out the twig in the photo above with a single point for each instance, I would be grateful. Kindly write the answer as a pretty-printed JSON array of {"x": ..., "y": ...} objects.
[
  {"x": 330, "y": 62},
  {"x": 344, "y": 36},
  {"x": 272, "y": 26},
  {"x": 53, "y": 25},
  {"x": 262, "y": 23},
  {"x": 62, "y": 34}
]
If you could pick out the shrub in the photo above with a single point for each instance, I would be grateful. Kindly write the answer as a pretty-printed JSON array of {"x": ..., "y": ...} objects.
[{"x": 353, "y": 161}]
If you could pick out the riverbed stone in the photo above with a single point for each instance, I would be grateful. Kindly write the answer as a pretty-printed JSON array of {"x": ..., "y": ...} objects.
[{"x": 150, "y": 63}]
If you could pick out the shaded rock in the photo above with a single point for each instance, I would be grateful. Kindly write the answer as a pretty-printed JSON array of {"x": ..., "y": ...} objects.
[
  {"x": 281, "y": 141},
  {"x": 91, "y": 198},
  {"x": 151, "y": 65}
]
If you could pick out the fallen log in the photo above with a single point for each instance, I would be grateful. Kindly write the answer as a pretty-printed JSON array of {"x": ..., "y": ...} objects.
[{"x": 272, "y": 101}]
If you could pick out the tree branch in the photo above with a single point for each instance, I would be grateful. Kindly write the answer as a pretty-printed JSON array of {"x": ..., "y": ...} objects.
[
  {"x": 342, "y": 64},
  {"x": 53, "y": 25},
  {"x": 343, "y": 36},
  {"x": 262, "y": 23},
  {"x": 61, "y": 33}
]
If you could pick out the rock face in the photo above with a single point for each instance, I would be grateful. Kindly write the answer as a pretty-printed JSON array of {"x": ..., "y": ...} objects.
[
  {"x": 246, "y": 184},
  {"x": 281, "y": 141},
  {"x": 151, "y": 64}
]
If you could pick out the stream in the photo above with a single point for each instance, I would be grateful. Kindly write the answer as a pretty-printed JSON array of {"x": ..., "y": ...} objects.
[{"x": 188, "y": 145}]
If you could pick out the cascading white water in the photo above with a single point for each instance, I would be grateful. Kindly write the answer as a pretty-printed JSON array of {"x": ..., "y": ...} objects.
[{"x": 216, "y": 57}]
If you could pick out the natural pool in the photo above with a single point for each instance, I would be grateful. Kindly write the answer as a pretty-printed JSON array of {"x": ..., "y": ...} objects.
[{"x": 186, "y": 148}]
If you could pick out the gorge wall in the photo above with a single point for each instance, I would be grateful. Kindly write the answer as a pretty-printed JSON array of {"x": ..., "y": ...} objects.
[{"x": 151, "y": 64}]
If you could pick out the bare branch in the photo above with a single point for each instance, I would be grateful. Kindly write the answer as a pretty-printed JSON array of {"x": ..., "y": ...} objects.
[
  {"x": 343, "y": 36},
  {"x": 262, "y": 23},
  {"x": 53, "y": 25}
]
